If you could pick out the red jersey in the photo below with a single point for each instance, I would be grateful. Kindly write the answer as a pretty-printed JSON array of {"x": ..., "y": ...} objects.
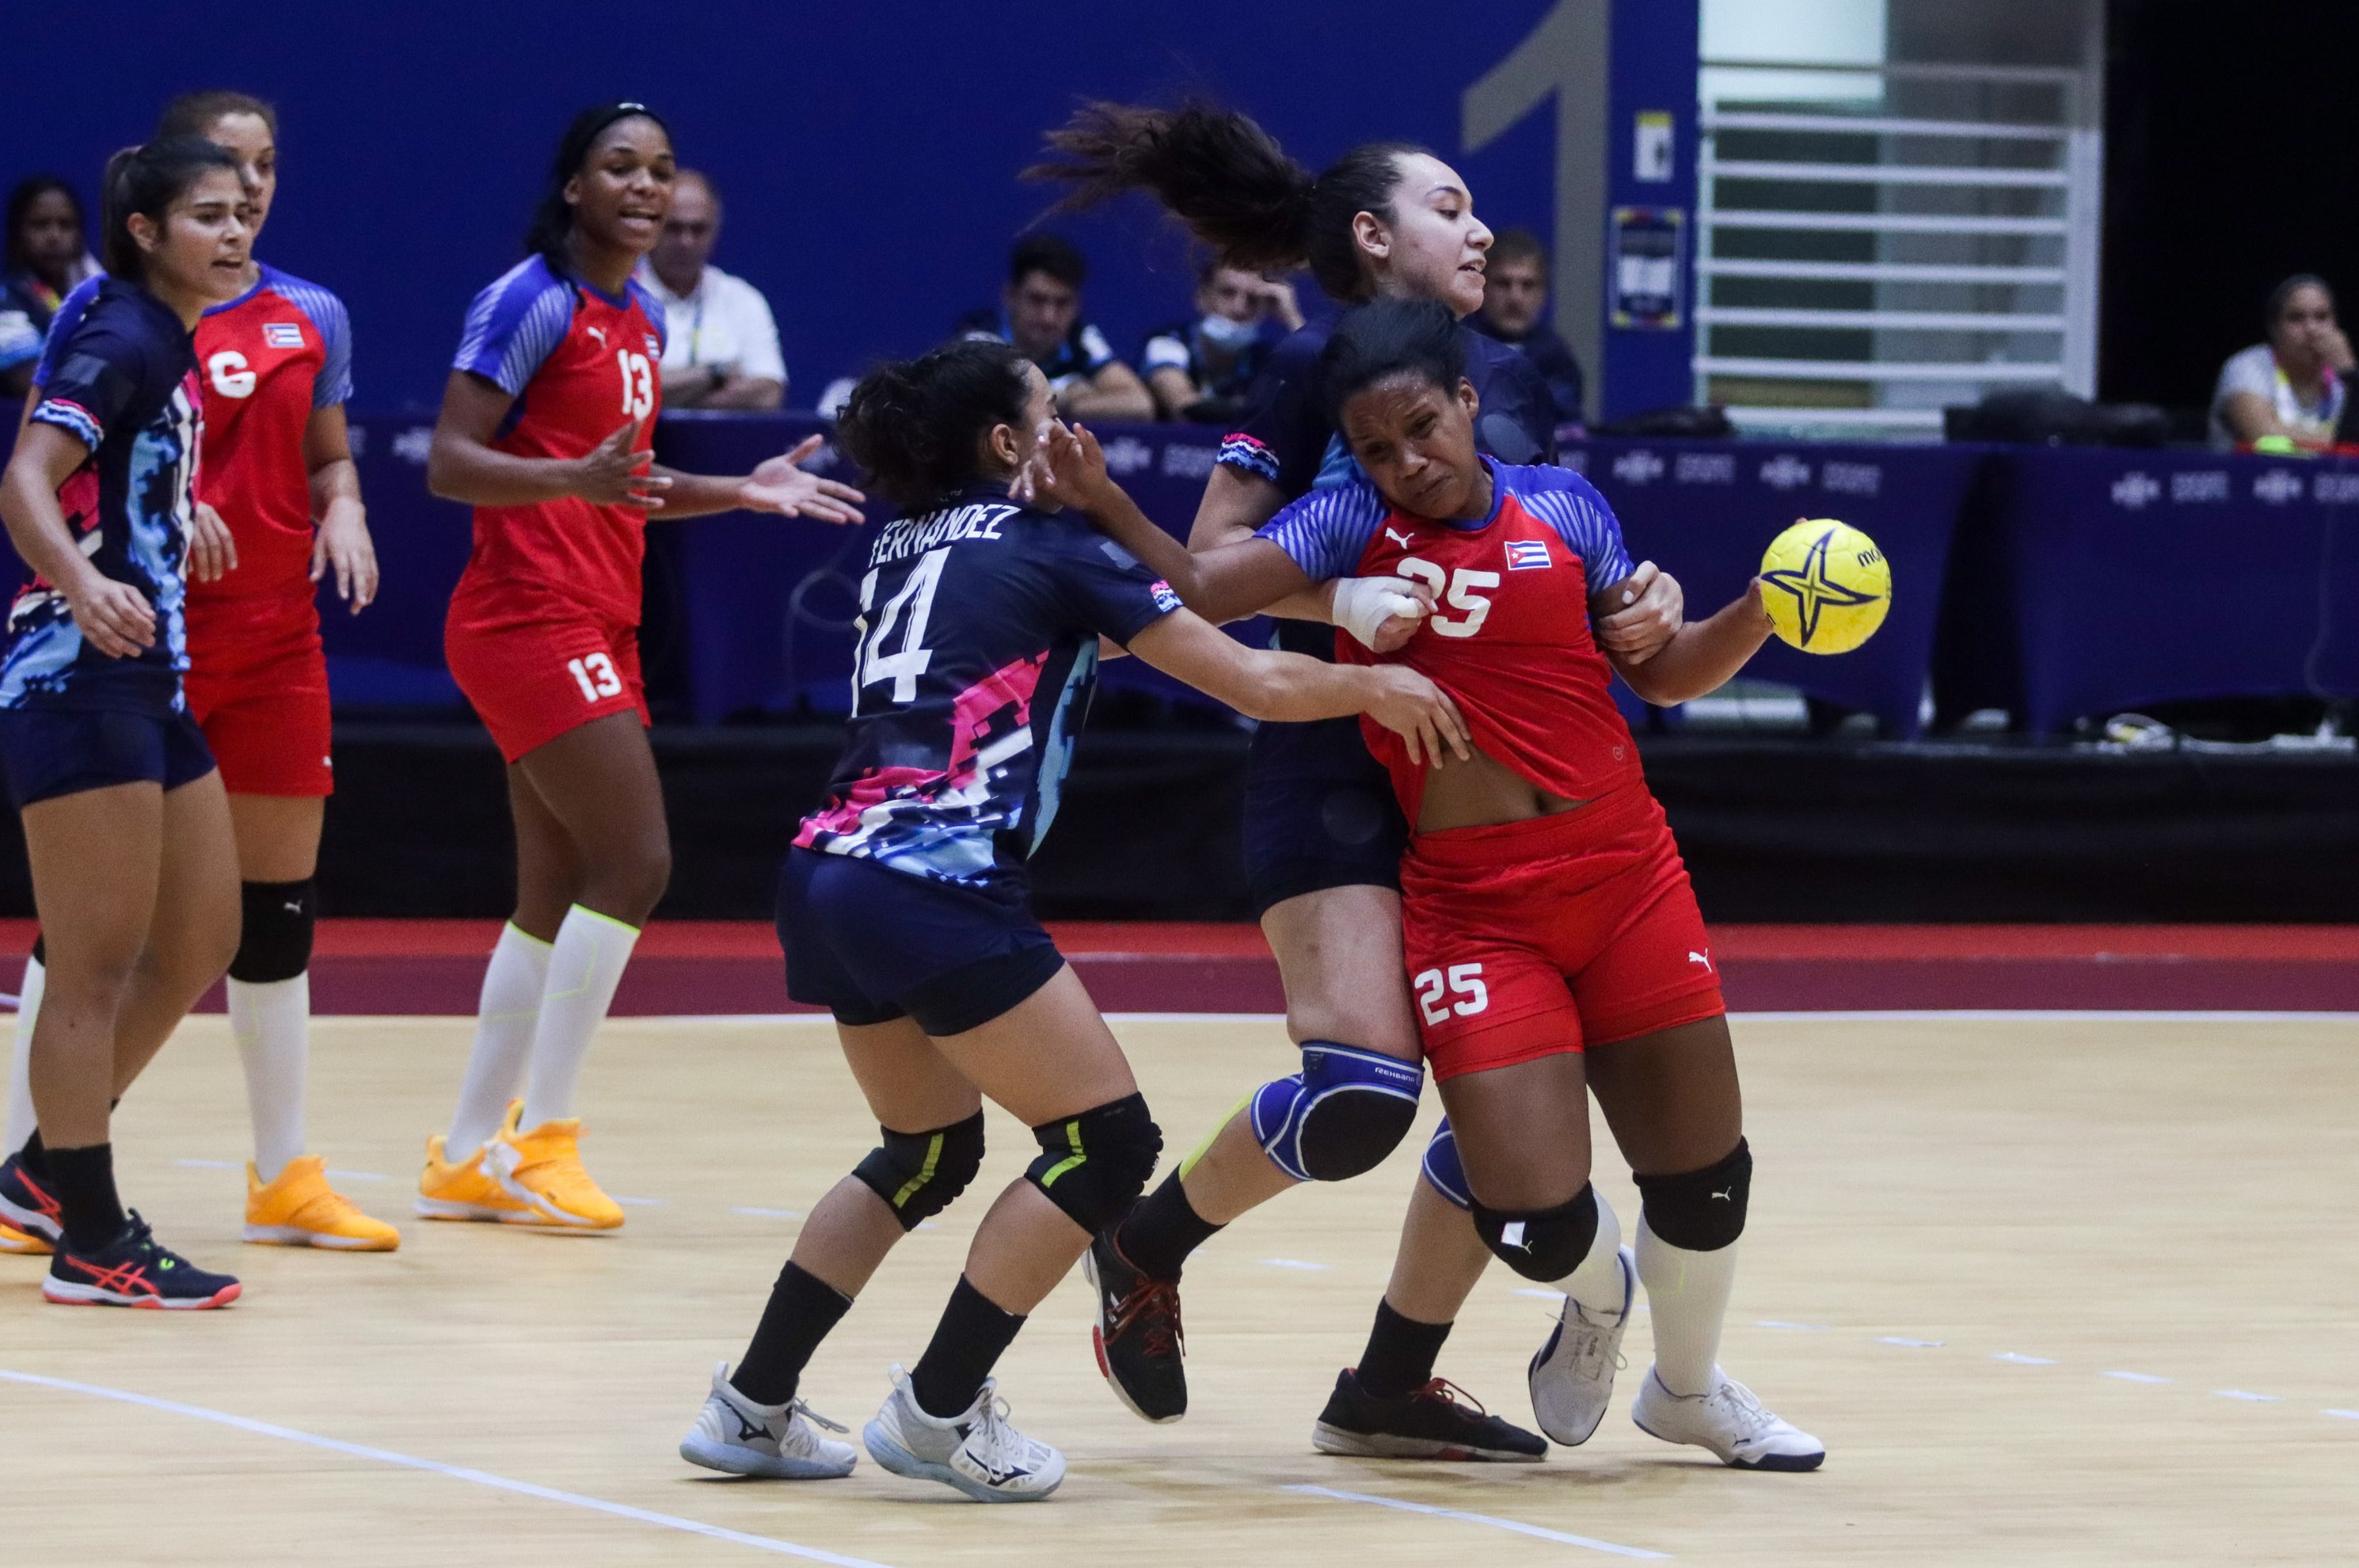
[
  {"x": 580, "y": 365},
  {"x": 270, "y": 358},
  {"x": 1511, "y": 641}
]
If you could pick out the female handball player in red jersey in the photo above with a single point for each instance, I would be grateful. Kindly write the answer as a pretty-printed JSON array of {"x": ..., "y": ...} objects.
[
  {"x": 126, "y": 827},
  {"x": 1324, "y": 835},
  {"x": 546, "y": 429},
  {"x": 1552, "y": 940},
  {"x": 903, "y": 910}
]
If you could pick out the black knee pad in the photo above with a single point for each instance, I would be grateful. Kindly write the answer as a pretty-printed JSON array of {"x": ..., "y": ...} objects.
[
  {"x": 1702, "y": 1211},
  {"x": 277, "y": 943},
  {"x": 1542, "y": 1244},
  {"x": 1094, "y": 1166},
  {"x": 918, "y": 1173}
]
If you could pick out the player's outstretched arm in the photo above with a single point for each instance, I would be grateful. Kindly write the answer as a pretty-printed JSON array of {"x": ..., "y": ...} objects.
[
  {"x": 1700, "y": 658},
  {"x": 780, "y": 485},
  {"x": 462, "y": 465},
  {"x": 1287, "y": 688}
]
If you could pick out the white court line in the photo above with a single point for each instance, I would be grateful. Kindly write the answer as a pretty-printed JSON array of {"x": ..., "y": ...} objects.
[
  {"x": 2342, "y": 1415},
  {"x": 1803, "y": 1327},
  {"x": 2135, "y": 1376},
  {"x": 642, "y": 1203},
  {"x": 1292, "y": 1263},
  {"x": 1518, "y": 1527},
  {"x": 2248, "y": 1396},
  {"x": 210, "y": 1164},
  {"x": 436, "y": 1467},
  {"x": 2025, "y": 1360},
  {"x": 1909, "y": 1344},
  {"x": 770, "y": 1214},
  {"x": 358, "y": 1176}
]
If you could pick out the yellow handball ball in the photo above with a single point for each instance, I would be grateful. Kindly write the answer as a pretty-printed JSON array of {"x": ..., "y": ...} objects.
[{"x": 1826, "y": 585}]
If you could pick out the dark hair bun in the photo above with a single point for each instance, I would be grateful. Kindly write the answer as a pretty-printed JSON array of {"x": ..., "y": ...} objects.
[{"x": 915, "y": 425}]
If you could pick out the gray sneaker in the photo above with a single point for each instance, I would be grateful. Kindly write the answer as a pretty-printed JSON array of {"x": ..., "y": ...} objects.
[
  {"x": 977, "y": 1451},
  {"x": 736, "y": 1435},
  {"x": 1572, "y": 1375}
]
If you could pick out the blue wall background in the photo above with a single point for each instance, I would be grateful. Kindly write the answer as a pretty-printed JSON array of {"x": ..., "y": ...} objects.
[{"x": 867, "y": 153}]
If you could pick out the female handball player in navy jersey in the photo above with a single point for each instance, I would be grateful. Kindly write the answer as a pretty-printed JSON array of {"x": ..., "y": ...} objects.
[
  {"x": 126, "y": 826},
  {"x": 1324, "y": 835},
  {"x": 547, "y": 430},
  {"x": 902, "y": 909},
  {"x": 1552, "y": 940}
]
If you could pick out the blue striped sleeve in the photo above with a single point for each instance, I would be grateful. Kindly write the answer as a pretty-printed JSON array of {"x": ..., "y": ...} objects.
[
  {"x": 652, "y": 308},
  {"x": 1572, "y": 506},
  {"x": 515, "y": 325},
  {"x": 333, "y": 387},
  {"x": 1327, "y": 531}
]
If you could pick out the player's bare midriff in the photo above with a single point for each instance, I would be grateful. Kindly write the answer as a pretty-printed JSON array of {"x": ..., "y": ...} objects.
[{"x": 1483, "y": 792}]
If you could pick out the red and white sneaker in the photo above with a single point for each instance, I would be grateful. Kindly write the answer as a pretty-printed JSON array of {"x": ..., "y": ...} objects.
[
  {"x": 133, "y": 1270},
  {"x": 28, "y": 1205}
]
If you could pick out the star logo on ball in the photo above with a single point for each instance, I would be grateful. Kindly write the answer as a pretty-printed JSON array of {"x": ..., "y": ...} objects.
[{"x": 1810, "y": 586}]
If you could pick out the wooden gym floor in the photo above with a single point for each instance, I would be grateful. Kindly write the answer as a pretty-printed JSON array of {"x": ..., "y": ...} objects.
[{"x": 2052, "y": 1289}]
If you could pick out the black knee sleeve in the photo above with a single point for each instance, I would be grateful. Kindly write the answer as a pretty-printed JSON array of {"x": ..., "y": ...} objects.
[
  {"x": 1094, "y": 1166},
  {"x": 1702, "y": 1211},
  {"x": 1340, "y": 1116},
  {"x": 276, "y": 942},
  {"x": 1542, "y": 1244},
  {"x": 918, "y": 1173}
]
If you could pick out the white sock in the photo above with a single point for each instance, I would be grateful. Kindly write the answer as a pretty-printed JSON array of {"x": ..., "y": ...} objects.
[
  {"x": 1687, "y": 1295},
  {"x": 1596, "y": 1282},
  {"x": 20, "y": 1066},
  {"x": 585, "y": 968},
  {"x": 272, "y": 1020},
  {"x": 513, "y": 982}
]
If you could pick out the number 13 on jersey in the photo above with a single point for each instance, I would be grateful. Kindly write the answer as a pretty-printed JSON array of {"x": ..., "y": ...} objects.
[{"x": 638, "y": 384}]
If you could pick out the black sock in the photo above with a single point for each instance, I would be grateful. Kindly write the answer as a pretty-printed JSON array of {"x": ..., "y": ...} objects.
[
  {"x": 84, "y": 1179},
  {"x": 803, "y": 1309},
  {"x": 1400, "y": 1354},
  {"x": 971, "y": 1337},
  {"x": 1163, "y": 1230},
  {"x": 34, "y": 1156}
]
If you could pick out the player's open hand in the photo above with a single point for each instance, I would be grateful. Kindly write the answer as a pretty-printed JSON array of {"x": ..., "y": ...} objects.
[
  {"x": 212, "y": 554},
  {"x": 1418, "y": 711},
  {"x": 1647, "y": 610},
  {"x": 1067, "y": 468},
  {"x": 613, "y": 475},
  {"x": 341, "y": 544},
  {"x": 114, "y": 616},
  {"x": 783, "y": 486}
]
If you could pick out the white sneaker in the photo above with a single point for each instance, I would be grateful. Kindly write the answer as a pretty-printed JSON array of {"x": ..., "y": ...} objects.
[
  {"x": 734, "y": 1434},
  {"x": 1729, "y": 1421},
  {"x": 1571, "y": 1374},
  {"x": 977, "y": 1451}
]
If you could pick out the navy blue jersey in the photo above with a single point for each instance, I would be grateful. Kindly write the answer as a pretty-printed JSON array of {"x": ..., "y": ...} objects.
[
  {"x": 1289, "y": 439},
  {"x": 978, "y": 649},
  {"x": 120, "y": 376}
]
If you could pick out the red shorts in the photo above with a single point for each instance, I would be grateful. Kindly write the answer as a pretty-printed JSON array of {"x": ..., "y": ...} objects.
[
  {"x": 1541, "y": 937},
  {"x": 535, "y": 666},
  {"x": 258, "y": 686}
]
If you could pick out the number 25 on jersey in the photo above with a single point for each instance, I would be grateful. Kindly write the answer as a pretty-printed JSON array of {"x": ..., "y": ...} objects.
[
  {"x": 638, "y": 384},
  {"x": 1461, "y": 590}
]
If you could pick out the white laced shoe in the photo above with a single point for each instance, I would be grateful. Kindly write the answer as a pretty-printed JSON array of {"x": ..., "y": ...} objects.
[
  {"x": 977, "y": 1451},
  {"x": 736, "y": 1435},
  {"x": 1571, "y": 1374},
  {"x": 1729, "y": 1421}
]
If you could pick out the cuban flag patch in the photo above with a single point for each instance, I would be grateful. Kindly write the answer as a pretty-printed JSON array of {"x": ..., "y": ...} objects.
[
  {"x": 1527, "y": 555},
  {"x": 282, "y": 334}
]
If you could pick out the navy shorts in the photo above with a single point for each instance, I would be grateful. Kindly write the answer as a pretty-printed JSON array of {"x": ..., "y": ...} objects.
[
  {"x": 872, "y": 944},
  {"x": 49, "y": 751},
  {"x": 1319, "y": 812}
]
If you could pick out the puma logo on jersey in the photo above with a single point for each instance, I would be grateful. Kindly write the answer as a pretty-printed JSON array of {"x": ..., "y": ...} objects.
[
  {"x": 1400, "y": 539},
  {"x": 1723, "y": 1197},
  {"x": 598, "y": 333},
  {"x": 1703, "y": 959}
]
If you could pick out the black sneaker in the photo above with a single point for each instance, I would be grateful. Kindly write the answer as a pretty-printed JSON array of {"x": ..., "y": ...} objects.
[
  {"x": 27, "y": 1204},
  {"x": 133, "y": 1270},
  {"x": 1428, "y": 1422},
  {"x": 1136, "y": 1336}
]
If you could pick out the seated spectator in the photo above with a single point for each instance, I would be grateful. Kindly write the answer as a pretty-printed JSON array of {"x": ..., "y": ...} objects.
[
  {"x": 1514, "y": 300},
  {"x": 721, "y": 342},
  {"x": 45, "y": 260},
  {"x": 1199, "y": 369},
  {"x": 1041, "y": 313},
  {"x": 2291, "y": 387}
]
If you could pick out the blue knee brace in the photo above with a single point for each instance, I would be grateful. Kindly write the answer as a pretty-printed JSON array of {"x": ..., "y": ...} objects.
[
  {"x": 1339, "y": 1116},
  {"x": 1442, "y": 1171}
]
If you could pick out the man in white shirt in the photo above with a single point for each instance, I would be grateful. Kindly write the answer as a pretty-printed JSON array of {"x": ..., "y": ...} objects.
[{"x": 721, "y": 348}]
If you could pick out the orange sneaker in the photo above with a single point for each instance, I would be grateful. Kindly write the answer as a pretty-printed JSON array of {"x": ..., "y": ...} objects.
[
  {"x": 542, "y": 1168},
  {"x": 17, "y": 1241},
  {"x": 300, "y": 1209},
  {"x": 467, "y": 1191}
]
